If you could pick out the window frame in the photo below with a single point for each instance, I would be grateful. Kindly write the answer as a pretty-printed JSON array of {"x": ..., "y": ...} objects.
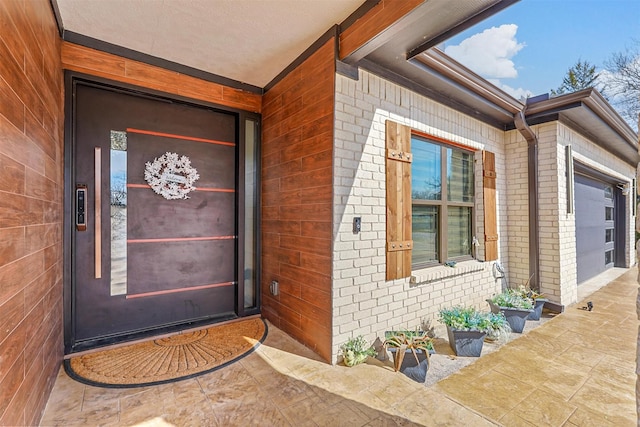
[{"x": 443, "y": 204}]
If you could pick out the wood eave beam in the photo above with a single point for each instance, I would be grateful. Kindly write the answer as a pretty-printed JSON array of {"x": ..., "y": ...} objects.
[{"x": 376, "y": 28}]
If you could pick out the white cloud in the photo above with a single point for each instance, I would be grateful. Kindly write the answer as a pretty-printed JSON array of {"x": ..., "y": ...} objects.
[
  {"x": 489, "y": 53},
  {"x": 518, "y": 93}
]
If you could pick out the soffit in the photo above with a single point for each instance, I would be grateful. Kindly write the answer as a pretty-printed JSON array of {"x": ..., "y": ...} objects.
[
  {"x": 589, "y": 114},
  {"x": 409, "y": 54},
  {"x": 249, "y": 41}
]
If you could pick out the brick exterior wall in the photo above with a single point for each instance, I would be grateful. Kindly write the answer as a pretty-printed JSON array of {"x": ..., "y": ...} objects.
[
  {"x": 558, "y": 265},
  {"x": 31, "y": 183},
  {"x": 599, "y": 159},
  {"x": 363, "y": 302},
  {"x": 517, "y": 208},
  {"x": 552, "y": 260}
]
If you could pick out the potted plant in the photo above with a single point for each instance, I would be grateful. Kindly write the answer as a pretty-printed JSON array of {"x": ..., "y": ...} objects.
[
  {"x": 499, "y": 328},
  {"x": 419, "y": 333},
  {"x": 467, "y": 328},
  {"x": 537, "y": 298},
  {"x": 356, "y": 350},
  {"x": 514, "y": 306},
  {"x": 410, "y": 352}
]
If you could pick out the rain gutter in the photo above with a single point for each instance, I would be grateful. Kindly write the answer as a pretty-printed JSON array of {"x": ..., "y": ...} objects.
[
  {"x": 534, "y": 226},
  {"x": 534, "y": 209}
]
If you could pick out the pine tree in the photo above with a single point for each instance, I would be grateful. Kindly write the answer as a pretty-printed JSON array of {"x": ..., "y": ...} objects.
[{"x": 581, "y": 76}]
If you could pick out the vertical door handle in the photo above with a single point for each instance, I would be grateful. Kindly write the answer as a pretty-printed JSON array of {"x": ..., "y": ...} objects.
[{"x": 98, "y": 213}]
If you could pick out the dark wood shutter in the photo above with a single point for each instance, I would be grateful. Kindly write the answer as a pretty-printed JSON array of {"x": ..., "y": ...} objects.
[
  {"x": 490, "y": 214},
  {"x": 398, "y": 177}
]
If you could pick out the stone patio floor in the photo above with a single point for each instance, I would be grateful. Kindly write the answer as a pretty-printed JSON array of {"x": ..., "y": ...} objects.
[{"x": 576, "y": 369}]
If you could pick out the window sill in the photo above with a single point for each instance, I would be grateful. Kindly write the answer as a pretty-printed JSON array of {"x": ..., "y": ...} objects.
[{"x": 441, "y": 272}]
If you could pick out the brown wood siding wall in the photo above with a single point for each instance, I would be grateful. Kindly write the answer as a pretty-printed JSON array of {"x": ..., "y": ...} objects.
[
  {"x": 380, "y": 17},
  {"x": 105, "y": 65},
  {"x": 31, "y": 188},
  {"x": 297, "y": 152}
]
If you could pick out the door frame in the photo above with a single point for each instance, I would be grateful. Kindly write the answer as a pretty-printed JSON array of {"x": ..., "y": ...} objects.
[{"x": 71, "y": 79}]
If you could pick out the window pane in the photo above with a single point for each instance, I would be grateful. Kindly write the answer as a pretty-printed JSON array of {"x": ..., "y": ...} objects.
[
  {"x": 608, "y": 257},
  {"x": 425, "y": 171},
  {"x": 459, "y": 176},
  {"x": 608, "y": 214},
  {"x": 118, "y": 210},
  {"x": 608, "y": 235},
  {"x": 250, "y": 204},
  {"x": 459, "y": 231},
  {"x": 425, "y": 234},
  {"x": 608, "y": 192}
]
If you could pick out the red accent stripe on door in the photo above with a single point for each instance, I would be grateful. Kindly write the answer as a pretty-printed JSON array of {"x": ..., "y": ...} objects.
[
  {"x": 173, "y": 291},
  {"x": 180, "y": 239},
  {"x": 188, "y": 138},
  {"x": 215, "y": 190},
  {"x": 219, "y": 190}
]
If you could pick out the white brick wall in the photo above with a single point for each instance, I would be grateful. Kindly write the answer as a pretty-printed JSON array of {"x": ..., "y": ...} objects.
[
  {"x": 599, "y": 159},
  {"x": 551, "y": 259},
  {"x": 558, "y": 267},
  {"x": 518, "y": 208},
  {"x": 363, "y": 302}
]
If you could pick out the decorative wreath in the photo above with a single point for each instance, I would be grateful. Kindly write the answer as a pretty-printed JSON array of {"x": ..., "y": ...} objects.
[{"x": 171, "y": 176}]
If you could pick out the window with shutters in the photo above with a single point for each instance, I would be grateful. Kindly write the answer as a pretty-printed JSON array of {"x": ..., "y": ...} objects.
[
  {"x": 430, "y": 201},
  {"x": 442, "y": 202}
]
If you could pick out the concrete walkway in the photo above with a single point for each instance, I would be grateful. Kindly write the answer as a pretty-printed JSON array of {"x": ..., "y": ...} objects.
[{"x": 575, "y": 369}]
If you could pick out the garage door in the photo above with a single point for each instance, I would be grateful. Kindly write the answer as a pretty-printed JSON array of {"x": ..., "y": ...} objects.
[{"x": 595, "y": 226}]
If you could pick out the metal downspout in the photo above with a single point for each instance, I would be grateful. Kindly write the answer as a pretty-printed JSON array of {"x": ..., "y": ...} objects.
[{"x": 534, "y": 227}]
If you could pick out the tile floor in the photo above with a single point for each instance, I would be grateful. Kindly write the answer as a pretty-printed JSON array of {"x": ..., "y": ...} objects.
[{"x": 577, "y": 369}]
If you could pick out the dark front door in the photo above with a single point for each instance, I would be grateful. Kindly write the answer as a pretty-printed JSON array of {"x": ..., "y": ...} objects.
[{"x": 154, "y": 239}]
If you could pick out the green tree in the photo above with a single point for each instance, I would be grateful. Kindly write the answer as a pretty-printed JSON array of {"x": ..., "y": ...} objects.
[
  {"x": 623, "y": 83},
  {"x": 581, "y": 75}
]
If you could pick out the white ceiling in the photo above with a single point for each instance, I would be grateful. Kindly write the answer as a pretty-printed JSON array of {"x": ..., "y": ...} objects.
[{"x": 250, "y": 41}]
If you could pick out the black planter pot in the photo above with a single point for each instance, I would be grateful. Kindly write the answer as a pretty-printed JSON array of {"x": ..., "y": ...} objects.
[
  {"x": 466, "y": 343},
  {"x": 537, "y": 309},
  {"x": 417, "y": 371},
  {"x": 516, "y": 317}
]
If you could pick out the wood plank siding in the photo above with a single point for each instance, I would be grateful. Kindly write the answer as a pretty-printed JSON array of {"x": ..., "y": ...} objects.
[
  {"x": 490, "y": 213},
  {"x": 375, "y": 21},
  {"x": 297, "y": 152},
  {"x": 399, "y": 243},
  {"x": 101, "y": 64},
  {"x": 31, "y": 191}
]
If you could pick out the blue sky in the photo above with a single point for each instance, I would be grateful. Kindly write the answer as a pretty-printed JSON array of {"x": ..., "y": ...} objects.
[{"x": 527, "y": 48}]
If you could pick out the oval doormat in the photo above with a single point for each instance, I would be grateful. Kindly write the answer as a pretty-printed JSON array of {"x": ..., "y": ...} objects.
[{"x": 169, "y": 359}]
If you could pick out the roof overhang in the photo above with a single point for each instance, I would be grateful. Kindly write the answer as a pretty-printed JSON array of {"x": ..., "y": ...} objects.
[
  {"x": 243, "y": 43},
  {"x": 588, "y": 113},
  {"x": 406, "y": 53}
]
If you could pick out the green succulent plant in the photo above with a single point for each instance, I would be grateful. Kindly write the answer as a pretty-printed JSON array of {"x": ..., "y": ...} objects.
[
  {"x": 417, "y": 338},
  {"x": 469, "y": 319},
  {"x": 408, "y": 341},
  {"x": 513, "y": 298},
  {"x": 356, "y": 350},
  {"x": 499, "y": 329}
]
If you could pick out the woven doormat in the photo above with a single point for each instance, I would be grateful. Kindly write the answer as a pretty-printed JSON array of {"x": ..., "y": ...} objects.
[{"x": 173, "y": 358}]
